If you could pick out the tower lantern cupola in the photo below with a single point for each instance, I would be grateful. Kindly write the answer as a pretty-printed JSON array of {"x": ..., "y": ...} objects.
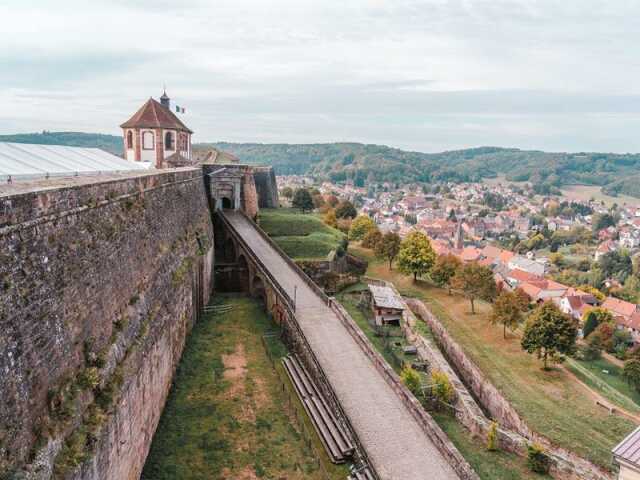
[{"x": 165, "y": 101}]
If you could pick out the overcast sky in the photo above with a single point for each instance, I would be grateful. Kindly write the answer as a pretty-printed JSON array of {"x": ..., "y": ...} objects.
[{"x": 424, "y": 75}]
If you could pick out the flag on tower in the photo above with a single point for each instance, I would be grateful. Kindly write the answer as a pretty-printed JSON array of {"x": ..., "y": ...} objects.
[{"x": 179, "y": 109}]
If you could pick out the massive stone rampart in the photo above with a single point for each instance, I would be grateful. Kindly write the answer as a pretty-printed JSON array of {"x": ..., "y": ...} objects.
[
  {"x": 99, "y": 286},
  {"x": 266, "y": 187}
]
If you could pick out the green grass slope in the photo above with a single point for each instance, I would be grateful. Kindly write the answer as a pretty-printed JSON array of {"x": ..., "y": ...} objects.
[{"x": 301, "y": 236}]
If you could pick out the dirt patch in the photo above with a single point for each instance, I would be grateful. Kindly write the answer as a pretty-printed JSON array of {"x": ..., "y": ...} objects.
[
  {"x": 235, "y": 364},
  {"x": 246, "y": 473},
  {"x": 261, "y": 394},
  {"x": 235, "y": 370}
]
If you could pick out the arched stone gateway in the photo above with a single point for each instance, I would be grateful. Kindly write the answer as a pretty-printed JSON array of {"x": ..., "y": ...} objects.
[{"x": 225, "y": 188}]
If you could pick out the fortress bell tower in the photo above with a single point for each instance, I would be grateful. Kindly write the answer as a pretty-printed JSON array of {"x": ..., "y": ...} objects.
[{"x": 155, "y": 135}]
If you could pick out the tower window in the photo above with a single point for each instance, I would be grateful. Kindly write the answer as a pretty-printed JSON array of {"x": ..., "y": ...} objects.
[
  {"x": 168, "y": 141},
  {"x": 147, "y": 140},
  {"x": 129, "y": 140}
]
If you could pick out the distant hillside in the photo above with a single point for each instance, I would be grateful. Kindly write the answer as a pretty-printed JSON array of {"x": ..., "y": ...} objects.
[
  {"x": 615, "y": 173},
  {"x": 110, "y": 143}
]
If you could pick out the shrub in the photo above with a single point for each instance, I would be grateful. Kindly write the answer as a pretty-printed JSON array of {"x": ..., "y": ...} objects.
[
  {"x": 537, "y": 460},
  {"x": 441, "y": 387},
  {"x": 492, "y": 437},
  {"x": 411, "y": 379},
  {"x": 89, "y": 378},
  {"x": 72, "y": 454}
]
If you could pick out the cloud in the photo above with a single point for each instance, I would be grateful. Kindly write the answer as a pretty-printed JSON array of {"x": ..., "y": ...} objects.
[{"x": 426, "y": 75}]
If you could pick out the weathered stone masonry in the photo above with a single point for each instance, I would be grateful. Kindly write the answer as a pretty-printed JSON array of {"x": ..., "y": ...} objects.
[{"x": 99, "y": 286}]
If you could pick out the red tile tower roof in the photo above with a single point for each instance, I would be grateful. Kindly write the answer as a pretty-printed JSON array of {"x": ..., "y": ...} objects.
[{"x": 153, "y": 115}]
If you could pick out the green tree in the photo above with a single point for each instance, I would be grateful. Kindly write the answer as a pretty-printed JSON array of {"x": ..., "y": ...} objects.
[
  {"x": 360, "y": 226},
  {"x": 388, "y": 247},
  {"x": 287, "y": 192},
  {"x": 631, "y": 372},
  {"x": 416, "y": 256},
  {"x": 475, "y": 281},
  {"x": 603, "y": 220},
  {"x": 372, "y": 238},
  {"x": 549, "y": 334},
  {"x": 594, "y": 317},
  {"x": 444, "y": 269},
  {"x": 302, "y": 200},
  {"x": 592, "y": 350},
  {"x": 346, "y": 210},
  {"x": 411, "y": 380},
  {"x": 616, "y": 264},
  {"x": 507, "y": 310}
]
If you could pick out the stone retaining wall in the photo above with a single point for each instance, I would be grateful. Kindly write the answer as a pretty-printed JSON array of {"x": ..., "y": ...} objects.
[
  {"x": 514, "y": 435},
  {"x": 428, "y": 425}
]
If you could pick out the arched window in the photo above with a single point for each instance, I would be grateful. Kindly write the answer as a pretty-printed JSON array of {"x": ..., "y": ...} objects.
[
  {"x": 129, "y": 140},
  {"x": 147, "y": 140},
  {"x": 168, "y": 141}
]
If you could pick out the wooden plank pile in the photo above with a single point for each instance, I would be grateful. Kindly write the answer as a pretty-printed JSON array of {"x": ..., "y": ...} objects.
[
  {"x": 361, "y": 474},
  {"x": 334, "y": 438}
]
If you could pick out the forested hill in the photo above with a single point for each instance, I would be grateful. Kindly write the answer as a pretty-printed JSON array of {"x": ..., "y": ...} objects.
[
  {"x": 616, "y": 173},
  {"x": 110, "y": 143}
]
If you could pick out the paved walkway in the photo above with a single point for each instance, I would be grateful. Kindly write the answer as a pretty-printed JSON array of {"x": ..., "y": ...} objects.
[{"x": 393, "y": 440}]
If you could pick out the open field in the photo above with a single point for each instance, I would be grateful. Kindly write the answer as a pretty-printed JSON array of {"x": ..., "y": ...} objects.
[
  {"x": 553, "y": 403},
  {"x": 301, "y": 236},
  {"x": 587, "y": 192},
  {"x": 488, "y": 465},
  {"x": 226, "y": 416}
]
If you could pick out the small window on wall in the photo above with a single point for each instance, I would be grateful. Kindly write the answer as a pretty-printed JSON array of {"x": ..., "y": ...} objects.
[
  {"x": 147, "y": 140},
  {"x": 168, "y": 141},
  {"x": 129, "y": 140}
]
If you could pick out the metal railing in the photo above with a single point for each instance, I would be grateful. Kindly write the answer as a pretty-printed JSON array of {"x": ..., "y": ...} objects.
[{"x": 289, "y": 306}]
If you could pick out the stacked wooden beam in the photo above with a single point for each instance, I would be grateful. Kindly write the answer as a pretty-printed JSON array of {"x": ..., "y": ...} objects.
[{"x": 334, "y": 438}]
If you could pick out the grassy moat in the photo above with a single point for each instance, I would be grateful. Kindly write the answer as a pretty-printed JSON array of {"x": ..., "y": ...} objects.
[{"x": 227, "y": 416}]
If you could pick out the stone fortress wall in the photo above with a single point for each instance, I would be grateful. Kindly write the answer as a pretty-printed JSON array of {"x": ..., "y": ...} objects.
[{"x": 99, "y": 287}]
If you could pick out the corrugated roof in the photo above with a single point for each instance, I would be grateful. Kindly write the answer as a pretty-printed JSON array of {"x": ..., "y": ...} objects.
[
  {"x": 629, "y": 448},
  {"x": 385, "y": 297},
  {"x": 24, "y": 160}
]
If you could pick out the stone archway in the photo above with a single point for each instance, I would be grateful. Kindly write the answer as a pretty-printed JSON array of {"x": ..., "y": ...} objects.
[{"x": 225, "y": 186}]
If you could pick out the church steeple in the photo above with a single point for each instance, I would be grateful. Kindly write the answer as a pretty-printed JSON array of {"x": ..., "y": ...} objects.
[{"x": 458, "y": 239}]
